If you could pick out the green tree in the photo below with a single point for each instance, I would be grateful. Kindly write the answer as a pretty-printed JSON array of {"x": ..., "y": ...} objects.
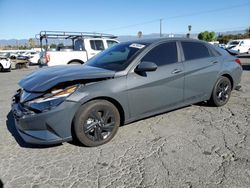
[
  {"x": 53, "y": 45},
  {"x": 247, "y": 34},
  {"x": 225, "y": 38},
  {"x": 207, "y": 36}
]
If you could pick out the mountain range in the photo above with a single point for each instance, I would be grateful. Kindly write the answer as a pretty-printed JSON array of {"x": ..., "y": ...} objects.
[{"x": 122, "y": 38}]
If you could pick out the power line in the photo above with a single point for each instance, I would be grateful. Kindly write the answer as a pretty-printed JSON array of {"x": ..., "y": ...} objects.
[
  {"x": 220, "y": 30},
  {"x": 133, "y": 25},
  {"x": 178, "y": 16},
  {"x": 207, "y": 11}
]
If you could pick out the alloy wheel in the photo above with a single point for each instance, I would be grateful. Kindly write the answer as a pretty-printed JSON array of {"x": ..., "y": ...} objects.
[{"x": 99, "y": 124}]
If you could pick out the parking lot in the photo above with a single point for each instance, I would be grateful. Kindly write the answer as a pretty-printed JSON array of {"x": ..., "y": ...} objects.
[{"x": 195, "y": 146}]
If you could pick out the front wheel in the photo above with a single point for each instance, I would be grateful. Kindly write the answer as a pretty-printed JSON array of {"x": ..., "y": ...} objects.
[
  {"x": 221, "y": 92},
  {"x": 96, "y": 123}
]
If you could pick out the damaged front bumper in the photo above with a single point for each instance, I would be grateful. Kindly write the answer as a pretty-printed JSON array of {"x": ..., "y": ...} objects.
[{"x": 50, "y": 127}]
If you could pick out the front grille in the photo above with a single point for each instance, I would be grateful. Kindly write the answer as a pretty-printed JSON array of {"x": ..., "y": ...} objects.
[{"x": 18, "y": 108}]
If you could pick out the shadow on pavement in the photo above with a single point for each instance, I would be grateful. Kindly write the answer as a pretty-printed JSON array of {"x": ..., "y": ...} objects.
[
  {"x": 246, "y": 67},
  {"x": 1, "y": 184},
  {"x": 10, "y": 122}
]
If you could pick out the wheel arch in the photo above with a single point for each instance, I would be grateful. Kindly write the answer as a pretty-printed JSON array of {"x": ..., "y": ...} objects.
[
  {"x": 76, "y": 60},
  {"x": 116, "y": 104},
  {"x": 111, "y": 100},
  {"x": 230, "y": 78}
]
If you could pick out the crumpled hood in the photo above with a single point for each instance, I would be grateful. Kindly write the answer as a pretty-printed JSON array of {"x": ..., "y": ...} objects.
[{"x": 46, "y": 78}]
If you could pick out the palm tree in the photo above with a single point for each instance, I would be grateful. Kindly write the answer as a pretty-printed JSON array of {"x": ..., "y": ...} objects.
[
  {"x": 139, "y": 34},
  {"x": 189, "y": 28},
  {"x": 189, "y": 31}
]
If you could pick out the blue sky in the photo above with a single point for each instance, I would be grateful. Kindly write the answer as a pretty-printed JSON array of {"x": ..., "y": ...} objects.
[{"x": 24, "y": 18}]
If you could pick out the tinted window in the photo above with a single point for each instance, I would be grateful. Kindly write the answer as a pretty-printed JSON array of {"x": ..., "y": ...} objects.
[
  {"x": 194, "y": 50},
  {"x": 234, "y": 42},
  {"x": 163, "y": 54},
  {"x": 97, "y": 44},
  {"x": 111, "y": 43}
]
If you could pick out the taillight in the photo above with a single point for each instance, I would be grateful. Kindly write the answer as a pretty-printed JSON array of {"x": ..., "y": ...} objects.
[
  {"x": 47, "y": 57},
  {"x": 238, "y": 61}
]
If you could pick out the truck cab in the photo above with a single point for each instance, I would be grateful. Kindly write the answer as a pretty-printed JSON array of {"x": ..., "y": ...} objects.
[
  {"x": 82, "y": 46},
  {"x": 95, "y": 45}
]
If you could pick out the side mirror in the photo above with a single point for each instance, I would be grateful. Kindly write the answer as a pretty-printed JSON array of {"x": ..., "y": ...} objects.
[{"x": 146, "y": 66}]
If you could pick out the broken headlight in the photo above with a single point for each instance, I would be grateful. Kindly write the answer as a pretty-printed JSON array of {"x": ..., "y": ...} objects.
[{"x": 51, "y": 99}]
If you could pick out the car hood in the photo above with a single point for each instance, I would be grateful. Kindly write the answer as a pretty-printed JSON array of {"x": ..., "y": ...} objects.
[{"x": 45, "y": 78}]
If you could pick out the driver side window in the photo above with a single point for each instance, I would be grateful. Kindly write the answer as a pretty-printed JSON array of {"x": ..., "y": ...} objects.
[{"x": 162, "y": 54}]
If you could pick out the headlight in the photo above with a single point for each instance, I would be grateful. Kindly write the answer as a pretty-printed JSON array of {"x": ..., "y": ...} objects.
[{"x": 50, "y": 100}]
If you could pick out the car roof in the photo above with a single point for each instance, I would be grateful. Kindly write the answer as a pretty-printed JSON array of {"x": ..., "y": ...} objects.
[{"x": 156, "y": 40}]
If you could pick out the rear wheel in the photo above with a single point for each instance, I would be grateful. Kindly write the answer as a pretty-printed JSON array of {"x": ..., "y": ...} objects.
[
  {"x": 221, "y": 92},
  {"x": 96, "y": 123}
]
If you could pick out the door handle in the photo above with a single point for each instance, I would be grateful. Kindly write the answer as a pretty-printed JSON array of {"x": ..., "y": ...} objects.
[
  {"x": 214, "y": 62},
  {"x": 176, "y": 71}
]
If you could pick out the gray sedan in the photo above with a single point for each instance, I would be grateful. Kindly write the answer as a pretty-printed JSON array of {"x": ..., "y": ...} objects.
[{"x": 125, "y": 83}]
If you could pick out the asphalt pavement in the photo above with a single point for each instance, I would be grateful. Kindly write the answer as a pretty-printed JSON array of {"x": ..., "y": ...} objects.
[{"x": 195, "y": 146}]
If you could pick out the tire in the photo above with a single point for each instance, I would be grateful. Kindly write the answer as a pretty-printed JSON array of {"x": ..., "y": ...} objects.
[
  {"x": 1, "y": 68},
  {"x": 221, "y": 92},
  {"x": 17, "y": 66},
  {"x": 96, "y": 123}
]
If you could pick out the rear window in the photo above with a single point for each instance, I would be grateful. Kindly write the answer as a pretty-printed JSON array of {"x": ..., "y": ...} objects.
[{"x": 194, "y": 50}]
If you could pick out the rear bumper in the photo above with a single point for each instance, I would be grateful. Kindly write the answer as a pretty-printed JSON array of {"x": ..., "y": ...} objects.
[{"x": 45, "y": 128}]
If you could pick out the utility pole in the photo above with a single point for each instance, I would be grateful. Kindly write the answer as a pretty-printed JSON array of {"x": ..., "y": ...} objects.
[
  {"x": 161, "y": 27},
  {"x": 17, "y": 44}
]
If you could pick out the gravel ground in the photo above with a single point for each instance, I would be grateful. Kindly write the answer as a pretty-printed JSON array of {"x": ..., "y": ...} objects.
[{"x": 196, "y": 146}]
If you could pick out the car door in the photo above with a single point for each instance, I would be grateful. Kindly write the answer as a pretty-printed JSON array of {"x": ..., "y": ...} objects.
[
  {"x": 201, "y": 70},
  {"x": 153, "y": 92}
]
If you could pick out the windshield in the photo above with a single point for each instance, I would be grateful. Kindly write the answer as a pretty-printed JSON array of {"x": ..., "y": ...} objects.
[
  {"x": 234, "y": 42},
  {"x": 118, "y": 57},
  {"x": 5, "y": 54}
]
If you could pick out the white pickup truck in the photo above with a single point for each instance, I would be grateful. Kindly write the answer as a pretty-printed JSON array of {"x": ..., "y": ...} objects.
[
  {"x": 83, "y": 47},
  {"x": 240, "y": 45},
  {"x": 5, "y": 62}
]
